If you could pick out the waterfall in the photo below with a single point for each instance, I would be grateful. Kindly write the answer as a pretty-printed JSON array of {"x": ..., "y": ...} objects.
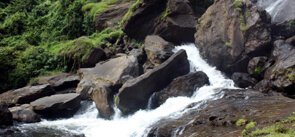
[
  {"x": 279, "y": 10},
  {"x": 138, "y": 124}
]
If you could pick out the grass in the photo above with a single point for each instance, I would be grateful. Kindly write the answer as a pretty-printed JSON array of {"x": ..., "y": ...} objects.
[
  {"x": 283, "y": 128},
  {"x": 94, "y": 8}
]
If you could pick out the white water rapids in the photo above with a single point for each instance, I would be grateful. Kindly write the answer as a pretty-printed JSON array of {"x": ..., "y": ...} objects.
[{"x": 137, "y": 125}]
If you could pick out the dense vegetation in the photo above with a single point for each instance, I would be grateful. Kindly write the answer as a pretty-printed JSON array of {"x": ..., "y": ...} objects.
[{"x": 41, "y": 36}]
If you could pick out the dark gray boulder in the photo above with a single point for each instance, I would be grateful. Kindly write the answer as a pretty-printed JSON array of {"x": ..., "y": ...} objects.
[
  {"x": 243, "y": 80},
  {"x": 57, "y": 106},
  {"x": 181, "y": 86},
  {"x": 135, "y": 93},
  {"x": 5, "y": 115}
]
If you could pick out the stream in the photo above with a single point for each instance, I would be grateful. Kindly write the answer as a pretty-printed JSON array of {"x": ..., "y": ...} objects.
[{"x": 137, "y": 125}]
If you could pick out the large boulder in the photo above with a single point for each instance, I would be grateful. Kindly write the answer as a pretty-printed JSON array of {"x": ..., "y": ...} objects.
[
  {"x": 218, "y": 118},
  {"x": 26, "y": 94},
  {"x": 237, "y": 32},
  {"x": 103, "y": 81},
  {"x": 57, "y": 106},
  {"x": 135, "y": 93},
  {"x": 181, "y": 86},
  {"x": 174, "y": 20},
  {"x": 5, "y": 116},
  {"x": 24, "y": 113},
  {"x": 157, "y": 49},
  {"x": 282, "y": 73},
  {"x": 63, "y": 82}
]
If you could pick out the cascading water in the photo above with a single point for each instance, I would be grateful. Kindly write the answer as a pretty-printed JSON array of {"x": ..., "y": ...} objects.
[
  {"x": 137, "y": 125},
  {"x": 279, "y": 10}
]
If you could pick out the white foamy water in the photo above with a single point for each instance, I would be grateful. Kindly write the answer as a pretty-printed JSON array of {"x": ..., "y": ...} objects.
[{"x": 138, "y": 124}]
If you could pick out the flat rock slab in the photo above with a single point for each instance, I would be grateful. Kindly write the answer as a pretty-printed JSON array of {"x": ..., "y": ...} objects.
[
  {"x": 55, "y": 106},
  {"x": 26, "y": 94}
]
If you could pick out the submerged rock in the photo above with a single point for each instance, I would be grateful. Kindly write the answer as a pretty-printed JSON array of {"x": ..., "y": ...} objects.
[
  {"x": 26, "y": 94},
  {"x": 56, "y": 106},
  {"x": 135, "y": 93},
  {"x": 245, "y": 33},
  {"x": 181, "y": 86}
]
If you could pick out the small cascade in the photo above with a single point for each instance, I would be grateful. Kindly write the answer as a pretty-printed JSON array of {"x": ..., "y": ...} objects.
[
  {"x": 279, "y": 10},
  {"x": 138, "y": 124}
]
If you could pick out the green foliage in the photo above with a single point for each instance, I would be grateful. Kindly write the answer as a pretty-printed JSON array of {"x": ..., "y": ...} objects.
[
  {"x": 249, "y": 127},
  {"x": 94, "y": 8},
  {"x": 41, "y": 36}
]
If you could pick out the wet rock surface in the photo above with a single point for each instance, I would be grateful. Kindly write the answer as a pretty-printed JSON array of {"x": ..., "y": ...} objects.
[{"x": 218, "y": 118}]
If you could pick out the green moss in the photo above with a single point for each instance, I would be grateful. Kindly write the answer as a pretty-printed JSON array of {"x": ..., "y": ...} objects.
[
  {"x": 238, "y": 4},
  {"x": 241, "y": 122},
  {"x": 243, "y": 25},
  {"x": 116, "y": 100},
  {"x": 165, "y": 13},
  {"x": 257, "y": 70},
  {"x": 227, "y": 43},
  {"x": 130, "y": 11},
  {"x": 94, "y": 8},
  {"x": 284, "y": 128},
  {"x": 249, "y": 128}
]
